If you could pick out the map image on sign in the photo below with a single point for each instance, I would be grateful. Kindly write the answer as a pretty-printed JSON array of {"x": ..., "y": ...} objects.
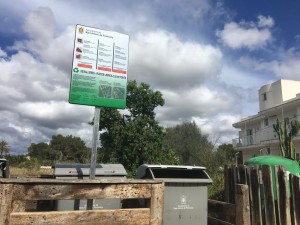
[{"x": 118, "y": 92}]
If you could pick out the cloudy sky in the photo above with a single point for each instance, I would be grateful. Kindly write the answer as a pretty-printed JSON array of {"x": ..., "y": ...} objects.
[{"x": 207, "y": 57}]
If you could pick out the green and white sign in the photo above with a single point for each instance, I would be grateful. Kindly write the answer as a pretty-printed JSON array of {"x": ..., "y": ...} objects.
[{"x": 99, "y": 73}]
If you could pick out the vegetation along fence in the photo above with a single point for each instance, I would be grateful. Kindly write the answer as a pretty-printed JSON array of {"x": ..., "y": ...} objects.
[
  {"x": 15, "y": 194},
  {"x": 262, "y": 195}
]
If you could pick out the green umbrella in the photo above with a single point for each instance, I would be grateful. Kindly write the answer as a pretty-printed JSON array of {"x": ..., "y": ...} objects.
[{"x": 291, "y": 165}]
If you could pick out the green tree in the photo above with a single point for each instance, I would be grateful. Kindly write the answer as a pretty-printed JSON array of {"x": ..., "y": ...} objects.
[
  {"x": 43, "y": 153},
  {"x": 4, "y": 149},
  {"x": 134, "y": 137},
  {"x": 286, "y": 132},
  {"x": 70, "y": 148},
  {"x": 192, "y": 147},
  {"x": 225, "y": 154}
]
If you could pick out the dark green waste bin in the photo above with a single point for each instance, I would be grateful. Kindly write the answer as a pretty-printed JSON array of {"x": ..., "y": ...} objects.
[{"x": 185, "y": 194}]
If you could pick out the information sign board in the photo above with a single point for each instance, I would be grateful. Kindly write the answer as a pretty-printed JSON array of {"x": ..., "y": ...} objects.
[{"x": 99, "y": 71}]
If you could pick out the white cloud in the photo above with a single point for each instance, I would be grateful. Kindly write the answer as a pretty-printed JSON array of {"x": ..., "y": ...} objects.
[
  {"x": 247, "y": 35},
  {"x": 2, "y": 53},
  {"x": 40, "y": 26},
  {"x": 43, "y": 42},
  {"x": 35, "y": 85},
  {"x": 239, "y": 77},
  {"x": 160, "y": 58},
  {"x": 265, "y": 21},
  {"x": 287, "y": 68},
  {"x": 201, "y": 102},
  {"x": 219, "y": 127},
  {"x": 30, "y": 79}
]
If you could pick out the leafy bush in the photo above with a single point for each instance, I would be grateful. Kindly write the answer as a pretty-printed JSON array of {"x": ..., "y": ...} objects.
[
  {"x": 216, "y": 190},
  {"x": 15, "y": 160},
  {"x": 31, "y": 163}
]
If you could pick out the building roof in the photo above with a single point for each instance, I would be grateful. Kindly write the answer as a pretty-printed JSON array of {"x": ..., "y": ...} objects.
[{"x": 268, "y": 112}]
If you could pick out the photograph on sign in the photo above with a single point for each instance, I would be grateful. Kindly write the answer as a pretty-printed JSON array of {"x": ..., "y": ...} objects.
[{"x": 99, "y": 71}]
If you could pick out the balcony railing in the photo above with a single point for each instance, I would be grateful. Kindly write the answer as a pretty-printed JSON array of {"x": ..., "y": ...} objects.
[{"x": 260, "y": 137}]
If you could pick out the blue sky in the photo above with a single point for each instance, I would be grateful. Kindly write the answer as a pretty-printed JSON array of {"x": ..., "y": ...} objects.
[{"x": 208, "y": 58}]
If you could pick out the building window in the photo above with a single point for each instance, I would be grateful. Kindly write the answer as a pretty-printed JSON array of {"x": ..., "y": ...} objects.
[
  {"x": 264, "y": 96},
  {"x": 266, "y": 122},
  {"x": 249, "y": 137}
]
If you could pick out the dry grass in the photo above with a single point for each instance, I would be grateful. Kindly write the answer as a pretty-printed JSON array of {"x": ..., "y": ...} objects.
[{"x": 21, "y": 172}]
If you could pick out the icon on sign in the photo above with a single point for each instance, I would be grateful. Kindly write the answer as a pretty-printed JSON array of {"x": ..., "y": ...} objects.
[
  {"x": 76, "y": 70},
  {"x": 80, "y": 30},
  {"x": 79, "y": 50},
  {"x": 78, "y": 56},
  {"x": 79, "y": 40}
]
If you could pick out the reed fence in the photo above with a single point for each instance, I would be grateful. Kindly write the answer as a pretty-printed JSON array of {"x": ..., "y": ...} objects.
[{"x": 259, "y": 195}]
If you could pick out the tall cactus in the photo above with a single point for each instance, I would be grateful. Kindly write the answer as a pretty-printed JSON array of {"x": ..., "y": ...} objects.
[{"x": 286, "y": 134}]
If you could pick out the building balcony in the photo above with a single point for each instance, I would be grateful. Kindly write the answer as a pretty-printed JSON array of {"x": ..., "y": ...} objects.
[
  {"x": 257, "y": 138},
  {"x": 261, "y": 137}
]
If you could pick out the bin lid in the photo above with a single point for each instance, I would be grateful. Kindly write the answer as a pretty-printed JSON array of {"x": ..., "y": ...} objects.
[
  {"x": 3, "y": 162},
  {"x": 291, "y": 165},
  {"x": 80, "y": 170},
  {"x": 174, "y": 173}
]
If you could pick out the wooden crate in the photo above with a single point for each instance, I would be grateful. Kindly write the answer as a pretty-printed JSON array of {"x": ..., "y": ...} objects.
[{"x": 15, "y": 192}]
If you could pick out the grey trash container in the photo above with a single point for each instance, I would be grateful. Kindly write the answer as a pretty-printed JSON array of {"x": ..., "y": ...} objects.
[
  {"x": 81, "y": 171},
  {"x": 185, "y": 195}
]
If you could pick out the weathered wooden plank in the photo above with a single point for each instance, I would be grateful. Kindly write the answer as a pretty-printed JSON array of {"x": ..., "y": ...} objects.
[
  {"x": 242, "y": 175},
  {"x": 230, "y": 181},
  {"x": 268, "y": 195},
  {"x": 233, "y": 183},
  {"x": 292, "y": 205},
  {"x": 222, "y": 210},
  {"x": 215, "y": 221},
  {"x": 218, "y": 206},
  {"x": 156, "y": 206},
  {"x": 76, "y": 181},
  {"x": 284, "y": 213},
  {"x": 255, "y": 198},
  {"x": 18, "y": 206},
  {"x": 6, "y": 193},
  {"x": 295, "y": 193},
  {"x": 226, "y": 182},
  {"x": 242, "y": 205},
  {"x": 80, "y": 191},
  {"x": 89, "y": 217}
]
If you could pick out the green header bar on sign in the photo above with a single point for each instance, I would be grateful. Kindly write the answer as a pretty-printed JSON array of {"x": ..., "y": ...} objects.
[{"x": 99, "y": 72}]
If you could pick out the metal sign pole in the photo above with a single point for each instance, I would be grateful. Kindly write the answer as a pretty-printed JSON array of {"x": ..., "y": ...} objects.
[
  {"x": 94, "y": 151},
  {"x": 95, "y": 142}
]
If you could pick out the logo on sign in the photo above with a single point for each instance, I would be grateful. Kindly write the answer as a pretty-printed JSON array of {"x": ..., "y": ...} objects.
[
  {"x": 184, "y": 204},
  {"x": 80, "y": 30},
  {"x": 183, "y": 200}
]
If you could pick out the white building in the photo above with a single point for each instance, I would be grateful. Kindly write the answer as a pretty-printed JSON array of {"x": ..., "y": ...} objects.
[{"x": 279, "y": 100}]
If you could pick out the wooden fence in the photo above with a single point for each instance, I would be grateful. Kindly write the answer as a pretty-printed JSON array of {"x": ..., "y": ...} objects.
[
  {"x": 257, "y": 196},
  {"x": 14, "y": 193}
]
